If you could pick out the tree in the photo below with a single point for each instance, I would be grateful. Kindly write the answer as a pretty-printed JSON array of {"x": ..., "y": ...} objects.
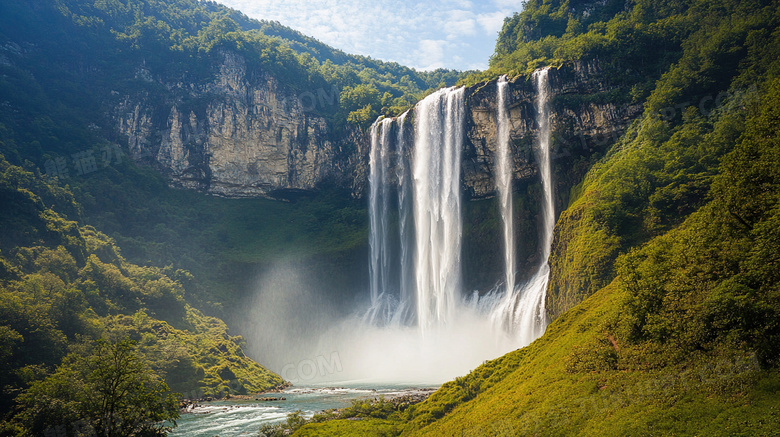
[{"x": 108, "y": 391}]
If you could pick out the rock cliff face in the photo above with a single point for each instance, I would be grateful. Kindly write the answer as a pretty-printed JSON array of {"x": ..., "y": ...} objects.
[
  {"x": 244, "y": 134},
  {"x": 587, "y": 116},
  {"x": 241, "y": 135},
  {"x": 585, "y": 120}
]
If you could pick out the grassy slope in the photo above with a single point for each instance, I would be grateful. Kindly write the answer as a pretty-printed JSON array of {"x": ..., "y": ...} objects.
[{"x": 542, "y": 397}]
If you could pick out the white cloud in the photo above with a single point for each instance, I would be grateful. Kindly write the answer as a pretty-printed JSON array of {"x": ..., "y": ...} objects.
[
  {"x": 492, "y": 22},
  {"x": 460, "y": 23},
  {"x": 514, "y": 5},
  {"x": 431, "y": 53},
  {"x": 456, "y": 34}
]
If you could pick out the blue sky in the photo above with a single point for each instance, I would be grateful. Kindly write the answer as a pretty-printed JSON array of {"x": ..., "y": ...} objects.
[{"x": 459, "y": 34}]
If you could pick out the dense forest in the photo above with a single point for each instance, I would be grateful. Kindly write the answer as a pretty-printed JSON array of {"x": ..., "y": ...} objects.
[{"x": 665, "y": 262}]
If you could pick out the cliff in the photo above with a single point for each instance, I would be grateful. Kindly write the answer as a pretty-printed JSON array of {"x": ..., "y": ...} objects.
[
  {"x": 582, "y": 124},
  {"x": 587, "y": 116},
  {"x": 243, "y": 134}
]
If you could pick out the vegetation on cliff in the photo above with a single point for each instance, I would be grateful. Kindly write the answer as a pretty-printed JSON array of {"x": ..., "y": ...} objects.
[{"x": 138, "y": 45}]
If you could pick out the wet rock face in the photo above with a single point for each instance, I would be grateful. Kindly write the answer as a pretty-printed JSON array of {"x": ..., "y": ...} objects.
[{"x": 241, "y": 135}]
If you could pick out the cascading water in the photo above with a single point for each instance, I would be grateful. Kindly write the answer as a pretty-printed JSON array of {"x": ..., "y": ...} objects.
[
  {"x": 504, "y": 168},
  {"x": 524, "y": 312},
  {"x": 429, "y": 222},
  {"x": 437, "y": 149},
  {"x": 406, "y": 310},
  {"x": 420, "y": 329},
  {"x": 379, "y": 238},
  {"x": 532, "y": 317},
  {"x": 543, "y": 157},
  {"x": 430, "y": 262}
]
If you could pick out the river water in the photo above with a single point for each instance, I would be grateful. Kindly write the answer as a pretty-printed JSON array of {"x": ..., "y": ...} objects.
[{"x": 232, "y": 418}]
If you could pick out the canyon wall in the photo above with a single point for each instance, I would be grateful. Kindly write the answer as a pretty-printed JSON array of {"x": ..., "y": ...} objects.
[{"x": 244, "y": 134}]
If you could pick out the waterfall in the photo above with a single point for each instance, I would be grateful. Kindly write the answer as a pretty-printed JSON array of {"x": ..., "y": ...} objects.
[
  {"x": 405, "y": 224},
  {"x": 420, "y": 328},
  {"x": 415, "y": 273},
  {"x": 439, "y": 132},
  {"x": 504, "y": 170},
  {"x": 427, "y": 274},
  {"x": 543, "y": 157},
  {"x": 529, "y": 315},
  {"x": 378, "y": 234},
  {"x": 521, "y": 311}
]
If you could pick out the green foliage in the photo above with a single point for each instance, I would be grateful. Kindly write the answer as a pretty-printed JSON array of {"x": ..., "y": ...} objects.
[
  {"x": 712, "y": 281},
  {"x": 107, "y": 389},
  {"x": 365, "y": 417},
  {"x": 358, "y": 428},
  {"x": 294, "y": 421},
  {"x": 63, "y": 283},
  {"x": 634, "y": 42},
  {"x": 134, "y": 46},
  {"x": 662, "y": 169}
]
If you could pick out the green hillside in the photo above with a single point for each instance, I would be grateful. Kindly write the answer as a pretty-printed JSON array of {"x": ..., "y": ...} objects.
[{"x": 65, "y": 285}]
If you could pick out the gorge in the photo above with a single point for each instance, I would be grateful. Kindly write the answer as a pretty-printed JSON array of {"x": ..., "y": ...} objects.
[{"x": 580, "y": 239}]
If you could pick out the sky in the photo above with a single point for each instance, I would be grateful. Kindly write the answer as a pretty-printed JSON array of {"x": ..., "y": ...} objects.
[{"x": 456, "y": 34}]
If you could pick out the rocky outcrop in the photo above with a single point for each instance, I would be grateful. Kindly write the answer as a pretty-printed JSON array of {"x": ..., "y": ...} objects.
[
  {"x": 241, "y": 135},
  {"x": 585, "y": 119}
]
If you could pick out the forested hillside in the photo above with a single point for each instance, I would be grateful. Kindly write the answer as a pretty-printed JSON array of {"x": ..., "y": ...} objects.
[
  {"x": 65, "y": 286},
  {"x": 107, "y": 42}
]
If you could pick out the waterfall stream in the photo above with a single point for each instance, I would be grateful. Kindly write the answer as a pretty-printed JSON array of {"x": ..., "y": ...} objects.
[
  {"x": 427, "y": 180},
  {"x": 504, "y": 170},
  {"x": 439, "y": 132}
]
